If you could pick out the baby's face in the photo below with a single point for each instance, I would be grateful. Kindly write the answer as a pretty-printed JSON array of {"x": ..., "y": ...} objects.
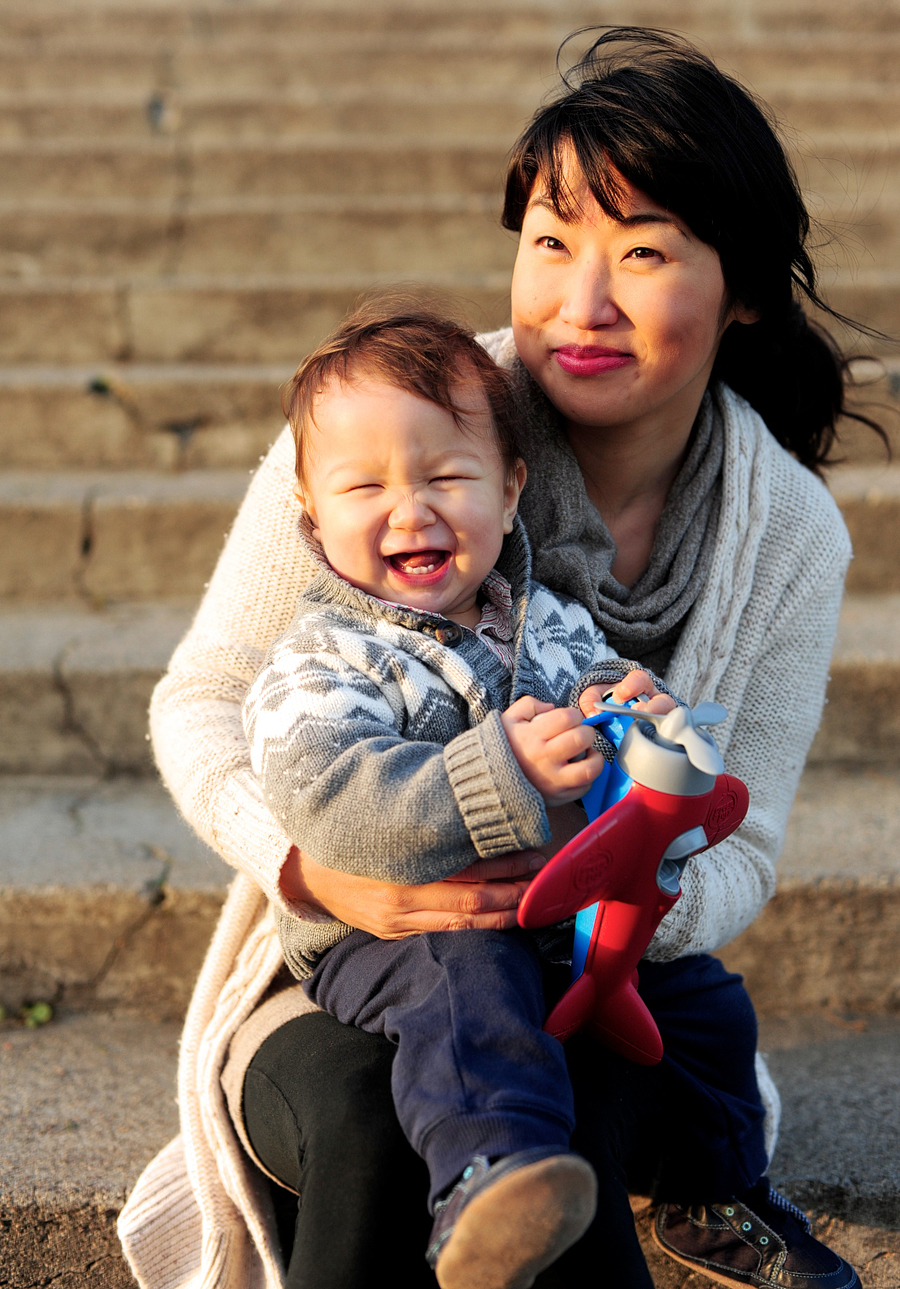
[{"x": 407, "y": 505}]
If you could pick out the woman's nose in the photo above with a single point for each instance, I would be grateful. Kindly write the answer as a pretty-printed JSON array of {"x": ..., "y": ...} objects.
[{"x": 588, "y": 303}]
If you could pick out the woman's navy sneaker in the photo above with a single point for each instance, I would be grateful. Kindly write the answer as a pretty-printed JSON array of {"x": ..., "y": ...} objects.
[{"x": 760, "y": 1240}]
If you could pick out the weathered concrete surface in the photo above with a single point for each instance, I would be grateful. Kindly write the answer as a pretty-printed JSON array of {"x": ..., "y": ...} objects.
[
  {"x": 87, "y": 1100},
  {"x": 107, "y": 898},
  {"x": 172, "y": 169},
  {"x": 828, "y": 938},
  {"x": 132, "y": 416},
  {"x": 113, "y": 536},
  {"x": 839, "y": 1147},
  {"x": 257, "y": 317},
  {"x": 861, "y": 721},
  {"x": 75, "y": 685},
  {"x": 177, "y": 168},
  {"x": 408, "y": 237},
  {"x": 869, "y": 498}
]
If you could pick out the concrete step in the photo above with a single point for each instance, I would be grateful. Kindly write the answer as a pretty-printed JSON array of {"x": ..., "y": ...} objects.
[
  {"x": 321, "y": 164},
  {"x": 131, "y": 535},
  {"x": 404, "y": 236},
  {"x": 869, "y": 498},
  {"x": 260, "y": 318},
  {"x": 409, "y": 237},
  {"x": 836, "y": 165},
  {"x": 145, "y": 24},
  {"x": 115, "y": 856},
  {"x": 253, "y": 63},
  {"x": 223, "y": 112},
  {"x": 88, "y": 1100},
  {"x": 827, "y": 940},
  {"x": 113, "y": 536},
  {"x": 136, "y": 417},
  {"x": 75, "y": 685},
  {"x": 861, "y": 721},
  {"x": 838, "y": 1147},
  {"x": 463, "y": 57}
]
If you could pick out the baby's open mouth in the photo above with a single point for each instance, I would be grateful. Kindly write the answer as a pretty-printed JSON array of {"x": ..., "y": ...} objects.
[{"x": 418, "y": 563}]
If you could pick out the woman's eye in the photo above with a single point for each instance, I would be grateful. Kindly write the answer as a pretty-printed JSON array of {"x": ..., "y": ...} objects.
[
  {"x": 551, "y": 243},
  {"x": 643, "y": 253}
]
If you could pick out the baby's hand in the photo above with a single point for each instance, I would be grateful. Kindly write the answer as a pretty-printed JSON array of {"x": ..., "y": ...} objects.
[
  {"x": 544, "y": 740},
  {"x": 637, "y": 684}
]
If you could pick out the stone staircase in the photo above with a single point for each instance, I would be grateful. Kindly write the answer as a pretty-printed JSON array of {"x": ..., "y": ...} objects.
[{"x": 192, "y": 195}]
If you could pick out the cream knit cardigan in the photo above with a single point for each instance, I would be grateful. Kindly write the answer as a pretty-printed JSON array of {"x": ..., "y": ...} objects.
[{"x": 759, "y": 634}]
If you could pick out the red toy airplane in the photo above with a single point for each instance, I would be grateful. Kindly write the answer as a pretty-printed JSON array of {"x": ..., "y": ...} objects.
[{"x": 677, "y": 802}]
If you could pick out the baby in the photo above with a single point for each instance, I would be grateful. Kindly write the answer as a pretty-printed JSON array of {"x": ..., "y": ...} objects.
[{"x": 424, "y": 710}]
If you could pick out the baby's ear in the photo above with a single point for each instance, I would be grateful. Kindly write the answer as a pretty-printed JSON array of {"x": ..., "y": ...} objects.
[{"x": 307, "y": 504}]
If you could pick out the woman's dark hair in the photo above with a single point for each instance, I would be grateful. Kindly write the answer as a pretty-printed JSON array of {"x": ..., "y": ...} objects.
[
  {"x": 647, "y": 106},
  {"x": 404, "y": 341}
]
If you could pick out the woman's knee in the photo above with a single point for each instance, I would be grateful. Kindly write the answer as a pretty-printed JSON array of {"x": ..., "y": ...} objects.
[{"x": 318, "y": 1090}]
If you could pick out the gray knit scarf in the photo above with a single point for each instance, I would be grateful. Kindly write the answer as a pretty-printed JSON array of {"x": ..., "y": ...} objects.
[{"x": 573, "y": 550}]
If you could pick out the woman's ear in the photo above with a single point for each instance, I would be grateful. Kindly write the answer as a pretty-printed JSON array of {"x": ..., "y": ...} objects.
[
  {"x": 743, "y": 313},
  {"x": 515, "y": 482}
]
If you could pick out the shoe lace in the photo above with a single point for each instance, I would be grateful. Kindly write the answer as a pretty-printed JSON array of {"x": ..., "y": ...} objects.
[{"x": 778, "y": 1201}]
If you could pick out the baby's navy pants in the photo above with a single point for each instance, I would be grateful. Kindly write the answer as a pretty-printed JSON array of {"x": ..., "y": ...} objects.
[{"x": 474, "y": 1073}]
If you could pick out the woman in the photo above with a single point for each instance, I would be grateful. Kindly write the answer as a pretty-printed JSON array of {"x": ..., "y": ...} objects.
[{"x": 655, "y": 336}]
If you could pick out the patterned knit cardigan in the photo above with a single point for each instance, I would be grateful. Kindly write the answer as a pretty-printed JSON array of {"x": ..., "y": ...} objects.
[
  {"x": 761, "y": 628},
  {"x": 380, "y": 749}
]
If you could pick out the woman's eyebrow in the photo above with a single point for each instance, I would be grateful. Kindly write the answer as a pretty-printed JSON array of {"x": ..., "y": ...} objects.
[{"x": 649, "y": 217}]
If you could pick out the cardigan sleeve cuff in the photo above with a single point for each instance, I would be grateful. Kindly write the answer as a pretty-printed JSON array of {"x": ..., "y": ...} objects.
[
  {"x": 501, "y": 809},
  {"x": 609, "y": 672}
]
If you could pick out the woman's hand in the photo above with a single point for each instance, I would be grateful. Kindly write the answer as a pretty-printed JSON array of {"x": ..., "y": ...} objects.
[
  {"x": 636, "y": 684},
  {"x": 484, "y": 896}
]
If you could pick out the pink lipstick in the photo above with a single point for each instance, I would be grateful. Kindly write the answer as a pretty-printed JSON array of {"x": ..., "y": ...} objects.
[{"x": 590, "y": 360}]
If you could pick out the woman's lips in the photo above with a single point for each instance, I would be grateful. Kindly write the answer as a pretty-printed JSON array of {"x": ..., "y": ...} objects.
[{"x": 588, "y": 360}]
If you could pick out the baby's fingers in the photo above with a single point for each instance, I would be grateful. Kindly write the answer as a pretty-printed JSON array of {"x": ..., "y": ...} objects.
[
  {"x": 571, "y": 743},
  {"x": 573, "y": 779}
]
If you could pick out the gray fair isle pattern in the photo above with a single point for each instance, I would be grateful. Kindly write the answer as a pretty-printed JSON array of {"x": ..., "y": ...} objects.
[
  {"x": 381, "y": 750},
  {"x": 200, "y": 1212}
]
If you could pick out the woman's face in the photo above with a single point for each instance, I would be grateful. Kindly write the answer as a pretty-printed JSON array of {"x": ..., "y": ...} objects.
[{"x": 619, "y": 323}]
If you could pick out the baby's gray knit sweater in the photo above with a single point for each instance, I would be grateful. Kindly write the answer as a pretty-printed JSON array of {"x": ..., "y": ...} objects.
[{"x": 376, "y": 736}]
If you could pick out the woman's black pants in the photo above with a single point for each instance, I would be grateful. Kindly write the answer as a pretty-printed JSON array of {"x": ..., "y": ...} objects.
[{"x": 319, "y": 1113}]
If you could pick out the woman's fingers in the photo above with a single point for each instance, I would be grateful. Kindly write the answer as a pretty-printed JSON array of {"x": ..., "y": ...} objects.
[
  {"x": 449, "y": 906},
  {"x": 517, "y": 864}
]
